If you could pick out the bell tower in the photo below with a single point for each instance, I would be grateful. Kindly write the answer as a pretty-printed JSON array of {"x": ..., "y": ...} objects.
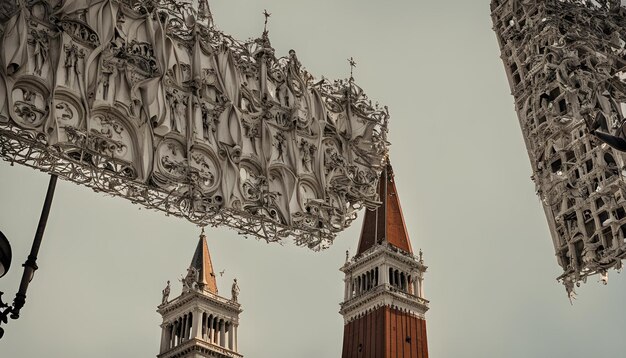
[
  {"x": 199, "y": 323},
  {"x": 384, "y": 306}
]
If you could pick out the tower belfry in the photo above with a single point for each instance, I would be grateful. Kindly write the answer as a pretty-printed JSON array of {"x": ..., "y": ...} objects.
[
  {"x": 199, "y": 323},
  {"x": 384, "y": 306}
]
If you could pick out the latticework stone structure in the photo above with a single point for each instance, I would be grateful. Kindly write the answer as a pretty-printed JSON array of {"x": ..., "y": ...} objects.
[
  {"x": 565, "y": 62},
  {"x": 147, "y": 100}
]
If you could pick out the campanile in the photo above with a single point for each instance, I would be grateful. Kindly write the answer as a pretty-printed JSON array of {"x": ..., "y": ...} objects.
[{"x": 384, "y": 306}]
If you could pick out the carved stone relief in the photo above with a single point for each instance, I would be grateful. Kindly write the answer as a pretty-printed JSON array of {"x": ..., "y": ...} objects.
[
  {"x": 564, "y": 62},
  {"x": 155, "y": 104}
]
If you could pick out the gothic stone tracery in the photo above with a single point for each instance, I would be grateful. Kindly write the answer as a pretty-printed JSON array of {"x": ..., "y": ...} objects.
[
  {"x": 565, "y": 61},
  {"x": 149, "y": 101}
]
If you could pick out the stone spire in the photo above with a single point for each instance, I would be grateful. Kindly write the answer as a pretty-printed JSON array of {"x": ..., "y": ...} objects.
[
  {"x": 201, "y": 261},
  {"x": 384, "y": 306}
]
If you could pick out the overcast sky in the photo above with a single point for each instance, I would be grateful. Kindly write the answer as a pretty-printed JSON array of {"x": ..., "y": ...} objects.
[{"x": 463, "y": 178}]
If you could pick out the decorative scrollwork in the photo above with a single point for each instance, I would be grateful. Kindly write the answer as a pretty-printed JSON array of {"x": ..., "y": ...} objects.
[{"x": 151, "y": 102}]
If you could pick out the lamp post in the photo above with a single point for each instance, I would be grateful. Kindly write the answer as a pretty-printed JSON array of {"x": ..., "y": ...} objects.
[
  {"x": 5, "y": 255},
  {"x": 30, "y": 266}
]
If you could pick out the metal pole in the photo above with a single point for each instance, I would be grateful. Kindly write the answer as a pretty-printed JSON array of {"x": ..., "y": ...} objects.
[{"x": 30, "y": 266}]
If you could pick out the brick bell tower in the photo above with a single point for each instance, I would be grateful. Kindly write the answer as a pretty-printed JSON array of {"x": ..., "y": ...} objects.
[{"x": 384, "y": 306}]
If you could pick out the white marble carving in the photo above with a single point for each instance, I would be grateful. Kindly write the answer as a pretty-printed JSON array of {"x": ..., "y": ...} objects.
[
  {"x": 565, "y": 64},
  {"x": 149, "y": 101}
]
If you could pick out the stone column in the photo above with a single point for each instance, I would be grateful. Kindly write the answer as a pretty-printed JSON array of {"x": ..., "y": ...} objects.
[
  {"x": 165, "y": 337},
  {"x": 236, "y": 331},
  {"x": 383, "y": 275},
  {"x": 222, "y": 333},
  {"x": 421, "y": 286},
  {"x": 196, "y": 330},
  {"x": 230, "y": 336}
]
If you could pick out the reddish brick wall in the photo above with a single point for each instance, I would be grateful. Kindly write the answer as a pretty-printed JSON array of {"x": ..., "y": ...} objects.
[{"x": 385, "y": 333}]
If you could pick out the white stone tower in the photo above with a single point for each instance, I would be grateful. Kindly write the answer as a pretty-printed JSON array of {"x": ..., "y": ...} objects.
[{"x": 199, "y": 323}]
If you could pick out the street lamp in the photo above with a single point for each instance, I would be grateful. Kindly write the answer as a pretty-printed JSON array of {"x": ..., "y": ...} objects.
[
  {"x": 30, "y": 266},
  {"x": 5, "y": 254}
]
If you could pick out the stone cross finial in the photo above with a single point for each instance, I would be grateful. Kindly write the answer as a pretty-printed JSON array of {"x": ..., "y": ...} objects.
[
  {"x": 352, "y": 63},
  {"x": 267, "y": 16}
]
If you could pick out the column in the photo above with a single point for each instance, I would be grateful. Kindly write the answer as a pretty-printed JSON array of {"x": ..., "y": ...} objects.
[
  {"x": 196, "y": 328},
  {"x": 345, "y": 293},
  {"x": 421, "y": 286},
  {"x": 409, "y": 285},
  {"x": 165, "y": 337},
  {"x": 230, "y": 336},
  {"x": 222, "y": 333},
  {"x": 384, "y": 273},
  {"x": 236, "y": 331}
]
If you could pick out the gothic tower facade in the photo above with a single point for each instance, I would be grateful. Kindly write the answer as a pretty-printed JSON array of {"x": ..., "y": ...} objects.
[
  {"x": 384, "y": 306},
  {"x": 199, "y": 323},
  {"x": 564, "y": 64}
]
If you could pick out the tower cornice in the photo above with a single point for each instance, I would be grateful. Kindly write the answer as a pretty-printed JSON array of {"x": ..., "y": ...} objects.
[
  {"x": 198, "y": 346},
  {"x": 385, "y": 251},
  {"x": 383, "y": 296},
  {"x": 206, "y": 297}
]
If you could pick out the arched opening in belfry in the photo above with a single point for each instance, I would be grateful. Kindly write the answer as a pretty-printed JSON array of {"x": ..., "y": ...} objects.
[
  {"x": 204, "y": 326},
  {"x": 396, "y": 278}
]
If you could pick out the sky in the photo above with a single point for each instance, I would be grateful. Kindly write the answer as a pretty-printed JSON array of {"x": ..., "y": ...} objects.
[{"x": 462, "y": 174}]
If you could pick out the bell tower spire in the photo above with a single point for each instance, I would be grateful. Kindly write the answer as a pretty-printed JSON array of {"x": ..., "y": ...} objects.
[
  {"x": 384, "y": 306},
  {"x": 199, "y": 323}
]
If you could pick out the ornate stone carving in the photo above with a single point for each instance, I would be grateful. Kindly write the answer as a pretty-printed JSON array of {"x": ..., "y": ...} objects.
[
  {"x": 564, "y": 60},
  {"x": 152, "y": 103}
]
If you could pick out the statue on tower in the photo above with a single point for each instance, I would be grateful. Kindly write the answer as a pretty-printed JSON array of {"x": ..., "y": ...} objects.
[
  {"x": 166, "y": 293},
  {"x": 235, "y": 291},
  {"x": 190, "y": 281}
]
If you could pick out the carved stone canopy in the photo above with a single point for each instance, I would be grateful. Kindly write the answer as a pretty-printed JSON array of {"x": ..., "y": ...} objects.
[{"x": 147, "y": 100}]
